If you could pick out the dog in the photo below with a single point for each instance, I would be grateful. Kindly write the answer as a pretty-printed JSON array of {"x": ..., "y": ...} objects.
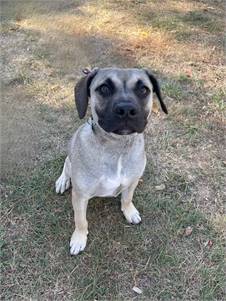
[{"x": 106, "y": 154}]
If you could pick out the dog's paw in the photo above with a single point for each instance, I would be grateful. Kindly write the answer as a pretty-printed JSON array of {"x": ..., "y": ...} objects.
[
  {"x": 131, "y": 214},
  {"x": 78, "y": 242},
  {"x": 62, "y": 184}
]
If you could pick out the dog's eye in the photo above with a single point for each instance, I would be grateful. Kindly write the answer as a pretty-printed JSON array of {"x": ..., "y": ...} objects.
[
  {"x": 141, "y": 90},
  {"x": 144, "y": 90},
  {"x": 105, "y": 90}
]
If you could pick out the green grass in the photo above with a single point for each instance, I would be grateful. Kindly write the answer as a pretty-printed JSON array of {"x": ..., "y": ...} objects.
[
  {"x": 185, "y": 23},
  {"x": 156, "y": 255},
  {"x": 219, "y": 100},
  {"x": 204, "y": 20},
  {"x": 184, "y": 78},
  {"x": 168, "y": 23},
  {"x": 173, "y": 89}
]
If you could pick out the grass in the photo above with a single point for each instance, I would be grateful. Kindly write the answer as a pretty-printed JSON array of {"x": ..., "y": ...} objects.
[
  {"x": 45, "y": 47},
  {"x": 118, "y": 256},
  {"x": 195, "y": 19},
  {"x": 173, "y": 90},
  {"x": 219, "y": 100}
]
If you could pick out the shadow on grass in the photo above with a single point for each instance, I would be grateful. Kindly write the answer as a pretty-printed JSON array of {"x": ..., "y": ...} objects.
[
  {"x": 17, "y": 10},
  {"x": 186, "y": 22}
]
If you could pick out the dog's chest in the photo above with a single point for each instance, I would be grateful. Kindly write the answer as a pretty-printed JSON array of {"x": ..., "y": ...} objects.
[{"x": 113, "y": 180}]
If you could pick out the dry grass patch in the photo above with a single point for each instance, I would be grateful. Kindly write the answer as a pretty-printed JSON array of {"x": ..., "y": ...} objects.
[{"x": 96, "y": 19}]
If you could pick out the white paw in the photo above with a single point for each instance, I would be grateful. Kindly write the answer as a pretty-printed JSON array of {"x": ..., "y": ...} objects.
[
  {"x": 62, "y": 184},
  {"x": 78, "y": 242},
  {"x": 131, "y": 214}
]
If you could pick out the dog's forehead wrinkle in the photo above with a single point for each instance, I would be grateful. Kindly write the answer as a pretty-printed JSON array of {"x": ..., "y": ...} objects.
[
  {"x": 104, "y": 76},
  {"x": 135, "y": 78},
  {"x": 122, "y": 77},
  {"x": 116, "y": 79}
]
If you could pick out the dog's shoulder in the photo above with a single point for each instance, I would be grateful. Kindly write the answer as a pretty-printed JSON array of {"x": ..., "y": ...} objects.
[{"x": 79, "y": 138}]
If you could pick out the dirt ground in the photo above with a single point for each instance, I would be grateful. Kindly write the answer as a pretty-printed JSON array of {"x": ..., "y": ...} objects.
[{"x": 45, "y": 45}]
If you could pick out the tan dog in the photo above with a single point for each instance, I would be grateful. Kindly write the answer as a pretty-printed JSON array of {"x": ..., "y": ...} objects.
[{"x": 106, "y": 155}]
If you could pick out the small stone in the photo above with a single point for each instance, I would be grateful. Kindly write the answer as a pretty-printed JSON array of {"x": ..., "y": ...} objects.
[
  {"x": 137, "y": 290},
  {"x": 188, "y": 231},
  {"x": 160, "y": 187},
  {"x": 210, "y": 243}
]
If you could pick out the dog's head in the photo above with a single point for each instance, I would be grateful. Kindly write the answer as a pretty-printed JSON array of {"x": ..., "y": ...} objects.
[{"x": 121, "y": 99}]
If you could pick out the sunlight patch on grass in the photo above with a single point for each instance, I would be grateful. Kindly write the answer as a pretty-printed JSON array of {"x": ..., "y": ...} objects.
[
  {"x": 132, "y": 38},
  {"x": 99, "y": 22}
]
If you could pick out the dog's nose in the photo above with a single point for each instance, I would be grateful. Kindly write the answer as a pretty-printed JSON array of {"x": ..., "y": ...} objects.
[{"x": 125, "y": 110}]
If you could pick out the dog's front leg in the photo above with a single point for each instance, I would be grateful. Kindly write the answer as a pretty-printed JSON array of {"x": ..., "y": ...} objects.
[
  {"x": 129, "y": 210},
  {"x": 79, "y": 236}
]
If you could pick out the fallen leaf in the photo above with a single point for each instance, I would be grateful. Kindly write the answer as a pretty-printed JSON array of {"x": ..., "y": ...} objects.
[
  {"x": 208, "y": 243},
  {"x": 160, "y": 187},
  {"x": 137, "y": 290},
  {"x": 155, "y": 108},
  {"x": 188, "y": 72},
  {"x": 188, "y": 231}
]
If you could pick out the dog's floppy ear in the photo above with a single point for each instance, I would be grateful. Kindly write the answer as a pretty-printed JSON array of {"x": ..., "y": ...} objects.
[
  {"x": 156, "y": 90},
  {"x": 82, "y": 92}
]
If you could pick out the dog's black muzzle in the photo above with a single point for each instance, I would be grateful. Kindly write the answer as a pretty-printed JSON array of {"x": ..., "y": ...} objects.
[
  {"x": 123, "y": 118},
  {"x": 125, "y": 110}
]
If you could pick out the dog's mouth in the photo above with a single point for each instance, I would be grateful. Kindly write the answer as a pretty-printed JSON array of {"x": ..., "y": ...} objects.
[
  {"x": 122, "y": 128},
  {"x": 124, "y": 132}
]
